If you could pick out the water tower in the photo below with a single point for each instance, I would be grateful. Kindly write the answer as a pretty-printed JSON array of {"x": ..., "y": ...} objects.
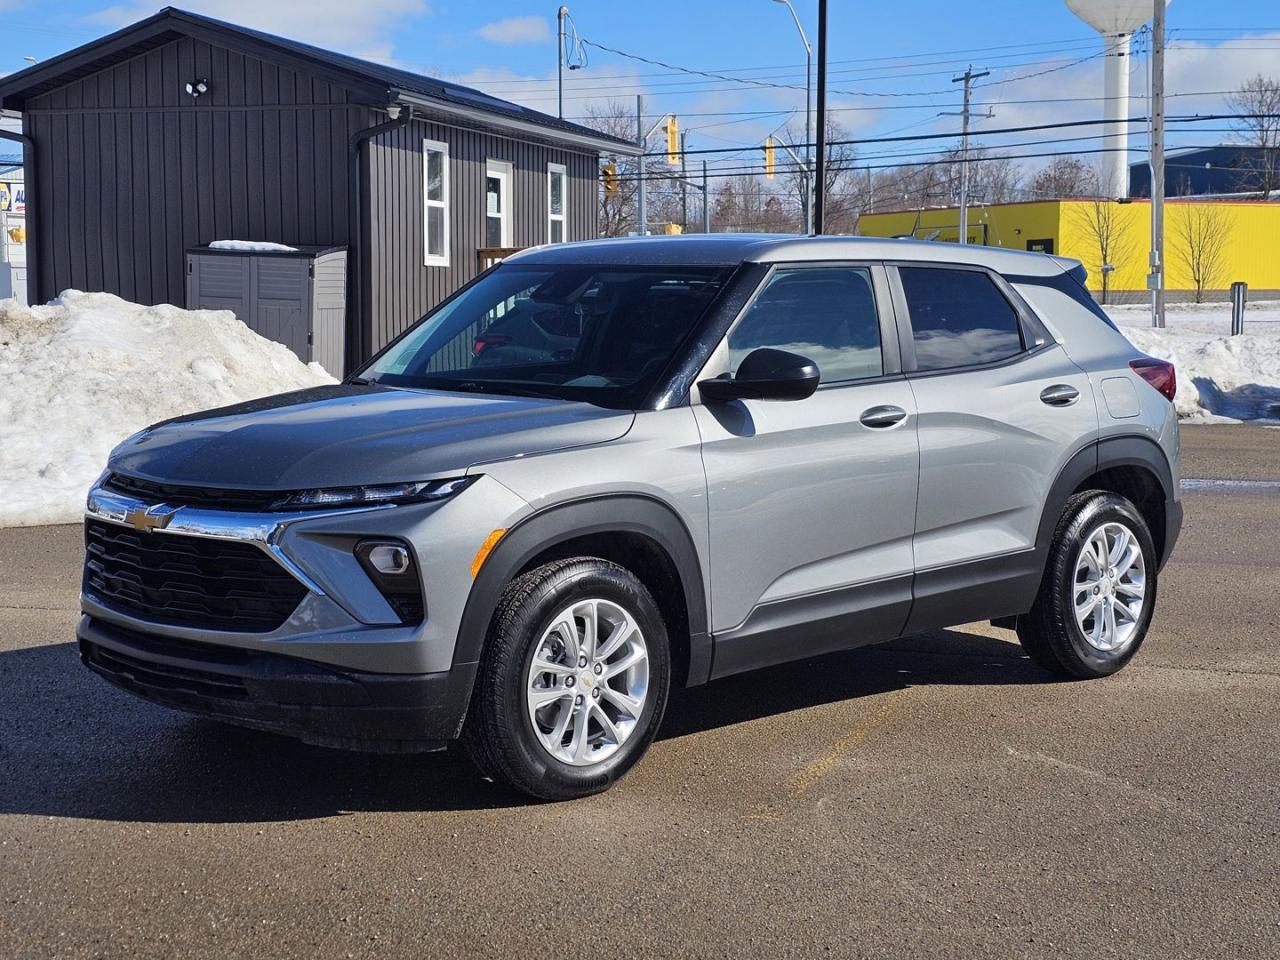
[{"x": 1115, "y": 20}]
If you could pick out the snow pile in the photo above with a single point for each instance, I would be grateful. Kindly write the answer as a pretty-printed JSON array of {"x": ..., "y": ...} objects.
[
  {"x": 83, "y": 372},
  {"x": 1221, "y": 378},
  {"x": 252, "y": 246}
]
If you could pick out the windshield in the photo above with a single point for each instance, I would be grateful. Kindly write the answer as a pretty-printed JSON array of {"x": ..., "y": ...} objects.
[{"x": 599, "y": 333}]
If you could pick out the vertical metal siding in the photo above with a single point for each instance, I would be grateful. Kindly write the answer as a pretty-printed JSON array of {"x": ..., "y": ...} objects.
[
  {"x": 402, "y": 288},
  {"x": 132, "y": 171}
]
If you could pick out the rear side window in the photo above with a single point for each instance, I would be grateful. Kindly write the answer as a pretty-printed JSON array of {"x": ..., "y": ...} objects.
[
  {"x": 827, "y": 314},
  {"x": 959, "y": 318}
]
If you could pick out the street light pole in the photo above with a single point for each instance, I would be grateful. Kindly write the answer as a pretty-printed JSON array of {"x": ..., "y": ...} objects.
[
  {"x": 560, "y": 15},
  {"x": 820, "y": 164},
  {"x": 808, "y": 118}
]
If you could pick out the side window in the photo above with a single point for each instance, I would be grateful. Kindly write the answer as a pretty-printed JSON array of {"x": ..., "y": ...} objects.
[
  {"x": 958, "y": 318},
  {"x": 435, "y": 193},
  {"x": 556, "y": 177},
  {"x": 827, "y": 314}
]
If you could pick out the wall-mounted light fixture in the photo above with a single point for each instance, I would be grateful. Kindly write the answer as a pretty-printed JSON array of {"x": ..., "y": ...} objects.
[
  {"x": 393, "y": 111},
  {"x": 197, "y": 88}
]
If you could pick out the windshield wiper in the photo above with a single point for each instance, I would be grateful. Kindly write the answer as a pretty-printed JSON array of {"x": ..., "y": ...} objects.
[{"x": 481, "y": 386}]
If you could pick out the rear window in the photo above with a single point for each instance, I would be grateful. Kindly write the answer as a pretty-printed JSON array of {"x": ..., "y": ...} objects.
[{"x": 959, "y": 318}]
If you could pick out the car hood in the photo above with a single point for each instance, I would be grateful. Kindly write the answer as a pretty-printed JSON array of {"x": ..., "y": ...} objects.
[{"x": 347, "y": 435}]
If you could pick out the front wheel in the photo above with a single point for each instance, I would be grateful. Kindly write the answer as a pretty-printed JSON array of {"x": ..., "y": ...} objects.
[
  {"x": 1099, "y": 589},
  {"x": 574, "y": 680}
]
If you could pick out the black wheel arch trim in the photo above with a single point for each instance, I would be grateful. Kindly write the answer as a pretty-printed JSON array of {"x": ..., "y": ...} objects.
[
  {"x": 562, "y": 522},
  {"x": 1122, "y": 451}
]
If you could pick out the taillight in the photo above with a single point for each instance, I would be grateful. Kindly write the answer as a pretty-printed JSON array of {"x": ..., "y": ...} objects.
[
  {"x": 1159, "y": 373},
  {"x": 484, "y": 343}
]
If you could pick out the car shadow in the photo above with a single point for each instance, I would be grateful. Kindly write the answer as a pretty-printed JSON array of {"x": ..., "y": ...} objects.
[{"x": 73, "y": 746}]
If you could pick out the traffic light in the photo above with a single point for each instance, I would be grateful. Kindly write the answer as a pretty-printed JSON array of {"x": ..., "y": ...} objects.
[
  {"x": 673, "y": 141},
  {"x": 768, "y": 157},
  {"x": 609, "y": 174}
]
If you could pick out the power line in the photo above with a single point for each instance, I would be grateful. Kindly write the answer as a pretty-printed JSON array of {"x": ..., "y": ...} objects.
[{"x": 1062, "y": 124}]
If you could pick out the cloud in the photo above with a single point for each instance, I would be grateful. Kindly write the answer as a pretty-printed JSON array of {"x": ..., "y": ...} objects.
[
  {"x": 366, "y": 29},
  {"x": 514, "y": 30}
]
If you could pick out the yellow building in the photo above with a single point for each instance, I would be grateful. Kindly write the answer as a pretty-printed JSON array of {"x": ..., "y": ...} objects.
[{"x": 1208, "y": 243}]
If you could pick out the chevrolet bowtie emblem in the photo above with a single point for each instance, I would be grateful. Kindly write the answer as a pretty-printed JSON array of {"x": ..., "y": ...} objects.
[{"x": 146, "y": 519}]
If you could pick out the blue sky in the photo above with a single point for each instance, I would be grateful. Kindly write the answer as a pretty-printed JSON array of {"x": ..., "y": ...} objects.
[{"x": 891, "y": 62}]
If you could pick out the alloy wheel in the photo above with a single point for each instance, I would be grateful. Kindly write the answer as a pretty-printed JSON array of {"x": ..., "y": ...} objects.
[
  {"x": 1110, "y": 587},
  {"x": 588, "y": 682}
]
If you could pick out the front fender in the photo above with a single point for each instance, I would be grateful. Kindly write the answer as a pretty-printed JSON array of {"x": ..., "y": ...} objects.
[{"x": 567, "y": 521}]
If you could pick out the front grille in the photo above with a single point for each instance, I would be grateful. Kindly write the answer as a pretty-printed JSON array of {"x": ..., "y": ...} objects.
[
  {"x": 188, "y": 581},
  {"x": 210, "y": 498}
]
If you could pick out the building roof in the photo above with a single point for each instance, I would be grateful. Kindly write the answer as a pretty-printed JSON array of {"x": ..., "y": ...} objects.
[
  {"x": 378, "y": 84},
  {"x": 728, "y": 249}
]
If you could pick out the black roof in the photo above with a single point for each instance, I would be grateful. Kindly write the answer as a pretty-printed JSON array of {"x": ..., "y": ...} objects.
[{"x": 380, "y": 83}]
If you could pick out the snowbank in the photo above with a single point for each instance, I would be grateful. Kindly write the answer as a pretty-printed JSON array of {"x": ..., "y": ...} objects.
[
  {"x": 1221, "y": 378},
  {"x": 252, "y": 246},
  {"x": 83, "y": 372}
]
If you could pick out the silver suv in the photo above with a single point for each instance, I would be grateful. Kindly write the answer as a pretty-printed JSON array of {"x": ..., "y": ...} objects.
[{"x": 604, "y": 468}]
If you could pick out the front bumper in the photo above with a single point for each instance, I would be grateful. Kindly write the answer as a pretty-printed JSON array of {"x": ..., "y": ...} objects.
[{"x": 314, "y": 702}]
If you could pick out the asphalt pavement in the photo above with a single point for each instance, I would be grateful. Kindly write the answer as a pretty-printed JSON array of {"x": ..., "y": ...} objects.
[{"x": 933, "y": 797}]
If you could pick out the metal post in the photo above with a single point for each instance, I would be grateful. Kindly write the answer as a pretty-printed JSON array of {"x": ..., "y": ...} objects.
[
  {"x": 684, "y": 184},
  {"x": 1156, "y": 279},
  {"x": 560, "y": 14},
  {"x": 642, "y": 222},
  {"x": 1239, "y": 297},
  {"x": 968, "y": 77},
  {"x": 820, "y": 164},
  {"x": 706, "y": 201}
]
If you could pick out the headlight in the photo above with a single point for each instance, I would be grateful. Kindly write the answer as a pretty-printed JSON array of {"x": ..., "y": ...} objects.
[{"x": 418, "y": 492}]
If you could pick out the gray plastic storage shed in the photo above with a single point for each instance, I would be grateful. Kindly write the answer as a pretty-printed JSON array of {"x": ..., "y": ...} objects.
[{"x": 297, "y": 297}]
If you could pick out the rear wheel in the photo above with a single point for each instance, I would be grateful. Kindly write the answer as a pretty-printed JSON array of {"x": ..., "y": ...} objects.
[
  {"x": 1099, "y": 589},
  {"x": 574, "y": 680}
]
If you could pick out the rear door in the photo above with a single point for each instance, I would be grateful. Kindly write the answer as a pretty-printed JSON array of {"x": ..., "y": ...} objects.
[
  {"x": 811, "y": 503},
  {"x": 1000, "y": 410}
]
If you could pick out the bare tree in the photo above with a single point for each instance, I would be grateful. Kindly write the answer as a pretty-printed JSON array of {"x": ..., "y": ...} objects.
[
  {"x": 1065, "y": 177},
  {"x": 1260, "y": 97},
  {"x": 843, "y": 195},
  {"x": 746, "y": 204},
  {"x": 618, "y": 213},
  {"x": 1106, "y": 224},
  {"x": 1201, "y": 232}
]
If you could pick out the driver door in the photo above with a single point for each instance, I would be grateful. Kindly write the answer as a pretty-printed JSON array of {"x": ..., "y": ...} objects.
[{"x": 811, "y": 502}]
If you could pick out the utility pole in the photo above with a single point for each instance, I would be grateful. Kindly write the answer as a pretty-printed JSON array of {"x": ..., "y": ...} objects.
[
  {"x": 684, "y": 183},
  {"x": 820, "y": 165},
  {"x": 706, "y": 201},
  {"x": 641, "y": 220},
  {"x": 968, "y": 77},
  {"x": 560, "y": 15},
  {"x": 1156, "y": 279}
]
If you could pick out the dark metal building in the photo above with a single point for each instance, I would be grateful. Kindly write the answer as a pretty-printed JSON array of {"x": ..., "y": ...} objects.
[
  {"x": 1229, "y": 169},
  {"x": 180, "y": 130}
]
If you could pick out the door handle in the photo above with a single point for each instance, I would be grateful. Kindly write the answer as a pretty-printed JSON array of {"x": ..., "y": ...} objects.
[
  {"x": 1060, "y": 395},
  {"x": 883, "y": 416}
]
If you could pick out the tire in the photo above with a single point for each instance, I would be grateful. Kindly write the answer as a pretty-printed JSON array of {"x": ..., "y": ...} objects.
[
  {"x": 1052, "y": 633},
  {"x": 524, "y": 725}
]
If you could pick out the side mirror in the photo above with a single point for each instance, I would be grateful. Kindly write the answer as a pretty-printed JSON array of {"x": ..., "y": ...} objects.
[{"x": 765, "y": 374}]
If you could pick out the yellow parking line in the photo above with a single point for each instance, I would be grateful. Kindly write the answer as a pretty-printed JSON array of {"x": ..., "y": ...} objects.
[{"x": 801, "y": 782}]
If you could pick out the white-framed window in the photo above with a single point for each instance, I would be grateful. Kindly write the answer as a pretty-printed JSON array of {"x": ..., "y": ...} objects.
[
  {"x": 557, "y": 203},
  {"x": 498, "y": 175},
  {"x": 435, "y": 198}
]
